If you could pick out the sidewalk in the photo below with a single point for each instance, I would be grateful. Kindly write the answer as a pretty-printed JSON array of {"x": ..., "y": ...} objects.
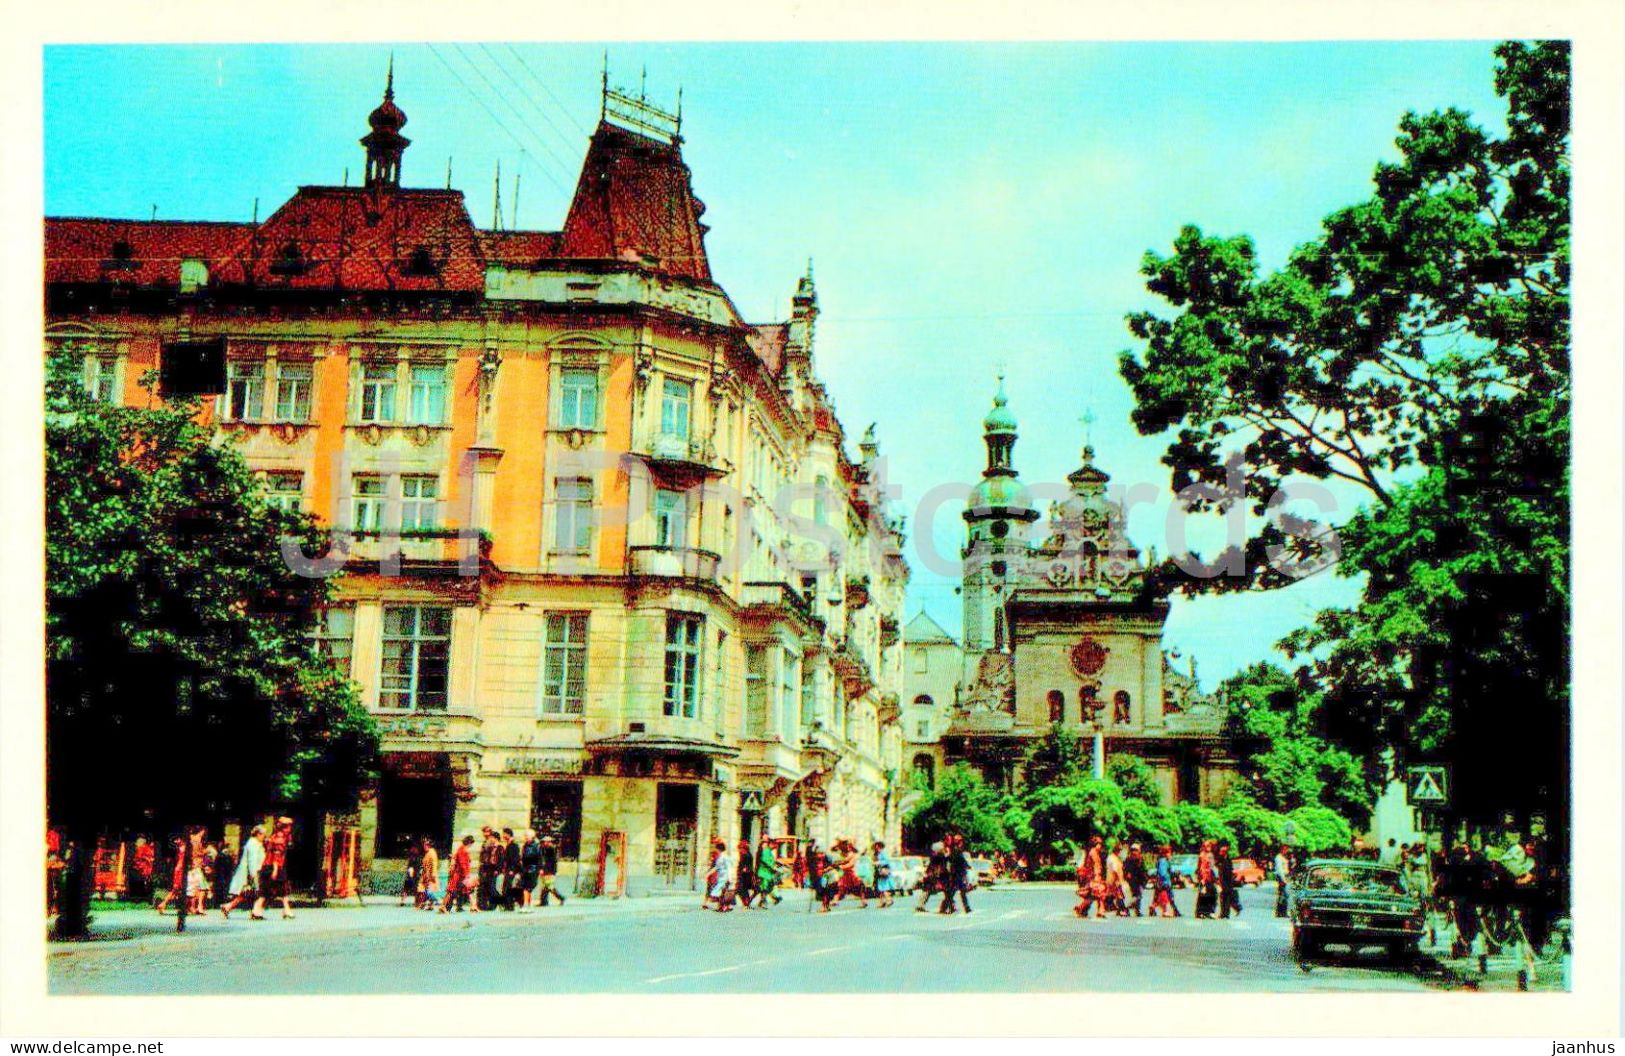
[
  {"x": 126, "y": 926},
  {"x": 1497, "y": 974}
]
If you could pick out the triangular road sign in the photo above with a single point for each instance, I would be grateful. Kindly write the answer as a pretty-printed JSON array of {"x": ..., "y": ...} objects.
[{"x": 1427, "y": 788}]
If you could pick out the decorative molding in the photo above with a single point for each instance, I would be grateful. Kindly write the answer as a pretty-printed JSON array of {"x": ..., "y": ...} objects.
[{"x": 1088, "y": 657}]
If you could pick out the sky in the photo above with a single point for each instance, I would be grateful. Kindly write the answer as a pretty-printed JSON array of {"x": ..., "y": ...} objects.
[{"x": 970, "y": 208}]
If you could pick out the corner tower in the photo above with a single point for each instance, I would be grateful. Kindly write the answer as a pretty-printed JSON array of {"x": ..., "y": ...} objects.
[{"x": 997, "y": 515}]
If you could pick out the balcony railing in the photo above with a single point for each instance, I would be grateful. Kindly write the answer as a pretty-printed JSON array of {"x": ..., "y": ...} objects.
[
  {"x": 778, "y": 595},
  {"x": 690, "y": 455},
  {"x": 673, "y": 561},
  {"x": 442, "y": 551}
]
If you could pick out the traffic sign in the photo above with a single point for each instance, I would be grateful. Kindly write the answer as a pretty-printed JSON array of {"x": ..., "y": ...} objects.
[
  {"x": 750, "y": 799},
  {"x": 1427, "y": 786}
]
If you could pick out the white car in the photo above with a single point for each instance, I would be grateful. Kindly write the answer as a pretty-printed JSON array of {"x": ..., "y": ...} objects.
[
  {"x": 907, "y": 873},
  {"x": 981, "y": 869}
]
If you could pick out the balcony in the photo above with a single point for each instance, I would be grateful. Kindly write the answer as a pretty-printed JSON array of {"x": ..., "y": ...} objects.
[
  {"x": 672, "y": 562},
  {"x": 777, "y": 598},
  {"x": 684, "y": 459},
  {"x": 850, "y": 666},
  {"x": 430, "y": 552}
]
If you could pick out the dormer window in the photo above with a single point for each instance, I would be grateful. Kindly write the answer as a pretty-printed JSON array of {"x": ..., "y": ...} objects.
[
  {"x": 422, "y": 263},
  {"x": 290, "y": 260}
]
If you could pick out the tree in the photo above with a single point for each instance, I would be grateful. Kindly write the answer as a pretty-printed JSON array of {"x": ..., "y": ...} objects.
[
  {"x": 1257, "y": 829},
  {"x": 1285, "y": 761},
  {"x": 1150, "y": 823},
  {"x": 962, "y": 802},
  {"x": 1418, "y": 352},
  {"x": 1198, "y": 823},
  {"x": 178, "y": 684},
  {"x": 1318, "y": 830},
  {"x": 1055, "y": 758},
  {"x": 1131, "y": 774}
]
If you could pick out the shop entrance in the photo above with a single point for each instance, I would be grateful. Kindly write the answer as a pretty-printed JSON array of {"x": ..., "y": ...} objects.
[
  {"x": 677, "y": 815},
  {"x": 555, "y": 810},
  {"x": 414, "y": 800}
]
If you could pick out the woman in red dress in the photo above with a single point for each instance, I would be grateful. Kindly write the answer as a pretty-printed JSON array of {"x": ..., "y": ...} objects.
[{"x": 274, "y": 873}]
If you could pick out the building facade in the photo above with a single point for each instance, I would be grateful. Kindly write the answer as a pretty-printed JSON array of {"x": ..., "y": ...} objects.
[
  {"x": 1062, "y": 628},
  {"x": 604, "y": 565}
]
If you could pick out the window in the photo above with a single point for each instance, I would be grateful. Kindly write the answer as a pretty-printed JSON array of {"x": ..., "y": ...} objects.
[
  {"x": 757, "y": 688},
  {"x": 683, "y": 665},
  {"x": 378, "y": 392},
  {"x": 809, "y": 697},
  {"x": 821, "y": 501},
  {"x": 367, "y": 503},
  {"x": 720, "y": 682},
  {"x": 420, "y": 506},
  {"x": 417, "y": 647},
  {"x": 572, "y": 523},
  {"x": 333, "y": 634},
  {"x": 564, "y": 663},
  {"x": 555, "y": 810},
  {"x": 789, "y": 691},
  {"x": 245, "y": 391},
  {"x": 922, "y": 730},
  {"x": 293, "y": 382},
  {"x": 285, "y": 490},
  {"x": 101, "y": 377},
  {"x": 193, "y": 368},
  {"x": 1057, "y": 706},
  {"x": 919, "y": 661},
  {"x": 578, "y": 399},
  {"x": 671, "y": 518},
  {"x": 675, "y": 402},
  {"x": 426, "y": 398}
]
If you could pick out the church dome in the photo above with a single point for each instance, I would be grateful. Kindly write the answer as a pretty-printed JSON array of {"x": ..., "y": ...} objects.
[
  {"x": 998, "y": 491},
  {"x": 999, "y": 419},
  {"x": 387, "y": 117}
]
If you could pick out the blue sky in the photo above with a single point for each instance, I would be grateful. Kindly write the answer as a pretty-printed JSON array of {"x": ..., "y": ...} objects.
[{"x": 968, "y": 206}]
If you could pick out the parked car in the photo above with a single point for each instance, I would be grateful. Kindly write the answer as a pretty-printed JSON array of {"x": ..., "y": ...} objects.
[
  {"x": 1184, "y": 867},
  {"x": 981, "y": 871},
  {"x": 1337, "y": 901},
  {"x": 907, "y": 873},
  {"x": 1248, "y": 871}
]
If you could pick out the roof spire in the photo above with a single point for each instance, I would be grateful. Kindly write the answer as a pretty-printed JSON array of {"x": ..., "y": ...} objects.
[
  {"x": 385, "y": 144},
  {"x": 496, "y": 203},
  {"x": 389, "y": 78}
]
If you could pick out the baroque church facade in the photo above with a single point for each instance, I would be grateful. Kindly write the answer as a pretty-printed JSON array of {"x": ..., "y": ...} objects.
[{"x": 1061, "y": 628}]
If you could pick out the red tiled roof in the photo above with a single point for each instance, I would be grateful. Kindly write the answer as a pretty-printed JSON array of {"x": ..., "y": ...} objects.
[
  {"x": 81, "y": 250},
  {"x": 767, "y": 341},
  {"x": 357, "y": 238},
  {"x": 519, "y": 249},
  {"x": 635, "y": 202}
]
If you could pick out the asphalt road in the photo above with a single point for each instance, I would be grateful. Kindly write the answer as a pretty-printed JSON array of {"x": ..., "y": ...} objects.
[{"x": 1017, "y": 940}]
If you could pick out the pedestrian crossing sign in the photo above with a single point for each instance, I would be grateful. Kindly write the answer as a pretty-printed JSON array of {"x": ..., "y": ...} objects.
[
  {"x": 1426, "y": 786},
  {"x": 750, "y": 799}
]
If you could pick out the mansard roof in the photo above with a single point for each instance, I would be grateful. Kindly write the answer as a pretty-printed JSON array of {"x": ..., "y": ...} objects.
[{"x": 137, "y": 252}]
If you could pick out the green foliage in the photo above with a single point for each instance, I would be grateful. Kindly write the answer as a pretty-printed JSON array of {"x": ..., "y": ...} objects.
[
  {"x": 1258, "y": 831},
  {"x": 1418, "y": 351},
  {"x": 962, "y": 802},
  {"x": 1285, "y": 762},
  {"x": 1319, "y": 830},
  {"x": 1131, "y": 774},
  {"x": 177, "y": 673},
  {"x": 1056, "y": 758},
  {"x": 1198, "y": 823},
  {"x": 1150, "y": 823}
]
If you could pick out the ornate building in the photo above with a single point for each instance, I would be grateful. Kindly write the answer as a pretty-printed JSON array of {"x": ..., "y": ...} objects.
[
  {"x": 604, "y": 564},
  {"x": 1064, "y": 630}
]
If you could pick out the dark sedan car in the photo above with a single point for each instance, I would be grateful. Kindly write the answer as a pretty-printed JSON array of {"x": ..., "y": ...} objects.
[{"x": 1354, "y": 904}]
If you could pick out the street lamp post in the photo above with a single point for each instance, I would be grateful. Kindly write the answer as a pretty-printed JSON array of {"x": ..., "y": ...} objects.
[{"x": 1097, "y": 756}]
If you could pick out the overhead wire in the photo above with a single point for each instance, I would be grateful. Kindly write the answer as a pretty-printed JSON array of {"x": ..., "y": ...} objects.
[{"x": 523, "y": 150}]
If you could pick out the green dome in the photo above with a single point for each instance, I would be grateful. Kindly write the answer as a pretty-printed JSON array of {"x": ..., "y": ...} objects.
[
  {"x": 999, "y": 419},
  {"x": 998, "y": 490}
]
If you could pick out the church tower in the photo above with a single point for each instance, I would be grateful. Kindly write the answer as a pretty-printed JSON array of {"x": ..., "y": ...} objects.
[
  {"x": 997, "y": 514},
  {"x": 384, "y": 143}
]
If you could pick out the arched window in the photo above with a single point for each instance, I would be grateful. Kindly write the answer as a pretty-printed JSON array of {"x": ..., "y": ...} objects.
[
  {"x": 1088, "y": 705},
  {"x": 1057, "y": 706},
  {"x": 1120, "y": 707},
  {"x": 925, "y": 768},
  {"x": 923, "y": 700}
]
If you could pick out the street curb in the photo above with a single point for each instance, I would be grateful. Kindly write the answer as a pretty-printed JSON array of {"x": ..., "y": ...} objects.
[{"x": 151, "y": 943}]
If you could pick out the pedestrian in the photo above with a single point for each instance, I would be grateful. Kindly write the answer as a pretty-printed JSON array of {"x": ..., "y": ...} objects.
[
  {"x": 812, "y": 860},
  {"x": 848, "y": 882},
  {"x": 1115, "y": 881},
  {"x": 459, "y": 878},
  {"x": 1225, "y": 869},
  {"x": 1468, "y": 878},
  {"x": 935, "y": 880},
  {"x": 548, "y": 886},
  {"x": 274, "y": 873},
  {"x": 530, "y": 870},
  {"x": 1092, "y": 879},
  {"x": 745, "y": 875},
  {"x": 427, "y": 896},
  {"x": 1135, "y": 874},
  {"x": 513, "y": 871},
  {"x": 223, "y": 872},
  {"x": 1162, "y": 900},
  {"x": 245, "y": 879},
  {"x": 960, "y": 877},
  {"x": 767, "y": 874},
  {"x": 1207, "y": 882},
  {"x": 414, "y": 868},
  {"x": 490, "y": 869},
  {"x": 719, "y": 880},
  {"x": 1283, "y": 876},
  {"x": 143, "y": 862},
  {"x": 884, "y": 886}
]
